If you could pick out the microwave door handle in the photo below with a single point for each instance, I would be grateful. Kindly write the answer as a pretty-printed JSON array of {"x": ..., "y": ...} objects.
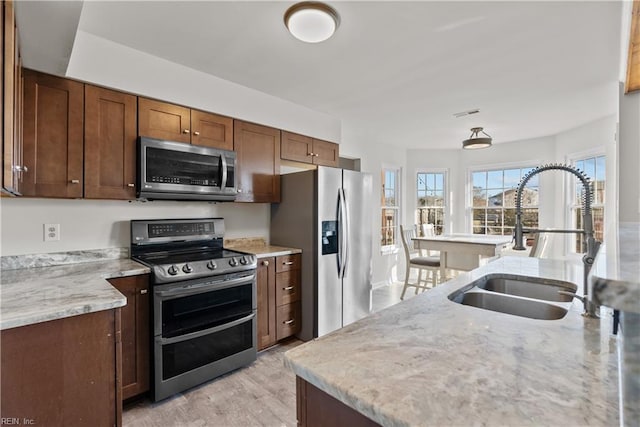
[{"x": 223, "y": 182}]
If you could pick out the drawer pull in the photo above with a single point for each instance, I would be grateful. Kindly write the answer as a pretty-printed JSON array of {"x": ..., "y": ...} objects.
[
  {"x": 288, "y": 288},
  {"x": 75, "y": 181},
  {"x": 143, "y": 291},
  {"x": 186, "y": 131},
  {"x": 288, "y": 322},
  {"x": 196, "y": 133},
  {"x": 131, "y": 185},
  {"x": 287, "y": 263},
  {"x": 265, "y": 263}
]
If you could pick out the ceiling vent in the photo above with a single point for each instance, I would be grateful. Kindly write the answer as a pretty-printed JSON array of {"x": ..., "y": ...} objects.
[{"x": 466, "y": 113}]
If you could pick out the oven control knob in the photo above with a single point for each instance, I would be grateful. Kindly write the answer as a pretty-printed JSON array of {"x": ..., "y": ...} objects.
[
  {"x": 187, "y": 268},
  {"x": 211, "y": 265},
  {"x": 244, "y": 260},
  {"x": 233, "y": 262},
  {"x": 173, "y": 270}
]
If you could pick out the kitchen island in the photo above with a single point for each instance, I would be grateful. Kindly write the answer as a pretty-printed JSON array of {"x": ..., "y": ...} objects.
[{"x": 431, "y": 361}]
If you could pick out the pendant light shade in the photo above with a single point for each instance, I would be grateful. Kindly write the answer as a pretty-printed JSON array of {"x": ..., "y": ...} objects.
[
  {"x": 311, "y": 22},
  {"x": 475, "y": 141}
]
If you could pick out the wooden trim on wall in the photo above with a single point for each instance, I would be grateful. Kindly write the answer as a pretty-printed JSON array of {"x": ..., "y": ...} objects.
[{"x": 632, "y": 82}]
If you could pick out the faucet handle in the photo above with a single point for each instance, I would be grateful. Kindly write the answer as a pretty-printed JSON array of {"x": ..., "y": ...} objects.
[{"x": 587, "y": 303}]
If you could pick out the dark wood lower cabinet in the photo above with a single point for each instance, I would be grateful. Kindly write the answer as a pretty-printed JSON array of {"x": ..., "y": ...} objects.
[
  {"x": 63, "y": 372},
  {"x": 266, "y": 312},
  {"x": 315, "y": 408},
  {"x": 136, "y": 327}
]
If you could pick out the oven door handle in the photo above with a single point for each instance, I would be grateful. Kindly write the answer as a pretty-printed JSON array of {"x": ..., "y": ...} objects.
[
  {"x": 197, "y": 289},
  {"x": 197, "y": 334}
]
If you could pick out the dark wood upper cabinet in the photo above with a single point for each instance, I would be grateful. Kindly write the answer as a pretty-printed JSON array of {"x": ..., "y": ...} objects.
[
  {"x": 53, "y": 136},
  {"x": 633, "y": 62},
  {"x": 109, "y": 144},
  {"x": 11, "y": 98},
  {"x": 304, "y": 149},
  {"x": 266, "y": 302},
  {"x": 176, "y": 123},
  {"x": 211, "y": 130},
  {"x": 135, "y": 326},
  {"x": 163, "y": 120},
  {"x": 258, "y": 155}
]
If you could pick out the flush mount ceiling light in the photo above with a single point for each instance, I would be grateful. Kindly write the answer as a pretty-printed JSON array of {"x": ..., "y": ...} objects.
[
  {"x": 474, "y": 142},
  {"x": 311, "y": 21}
]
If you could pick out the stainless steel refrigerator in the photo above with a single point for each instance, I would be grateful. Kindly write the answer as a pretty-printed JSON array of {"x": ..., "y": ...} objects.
[{"x": 328, "y": 214}]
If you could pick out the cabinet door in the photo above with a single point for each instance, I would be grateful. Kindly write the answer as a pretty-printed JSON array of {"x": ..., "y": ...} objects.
[
  {"x": 325, "y": 153},
  {"x": 53, "y": 136},
  {"x": 135, "y": 334},
  {"x": 266, "y": 311},
  {"x": 164, "y": 121},
  {"x": 258, "y": 154},
  {"x": 298, "y": 148},
  {"x": 110, "y": 144},
  {"x": 211, "y": 130}
]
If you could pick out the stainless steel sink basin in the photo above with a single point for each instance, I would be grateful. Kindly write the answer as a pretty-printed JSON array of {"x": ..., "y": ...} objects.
[
  {"x": 526, "y": 287},
  {"x": 509, "y": 305}
]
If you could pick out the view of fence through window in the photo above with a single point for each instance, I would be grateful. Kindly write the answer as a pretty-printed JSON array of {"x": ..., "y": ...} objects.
[
  {"x": 390, "y": 207},
  {"x": 594, "y": 168},
  {"x": 431, "y": 201},
  {"x": 493, "y": 204}
]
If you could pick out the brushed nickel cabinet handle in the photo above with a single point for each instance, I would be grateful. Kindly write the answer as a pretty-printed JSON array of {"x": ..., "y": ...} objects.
[
  {"x": 311, "y": 154},
  {"x": 287, "y": 262},
  {"x": 75, "y": 181},
  {"x": 186, "y": 131},
  {"x": 25, "y": 169},
  {"x": 143, "y": 291},
  {"x": 131, "y": 185},
  {"x": 288, "y": 288},
  {"x": 288, "y": 322},
  {"x": 196, "y": 133},
  {"x": 265, "y": 263}
]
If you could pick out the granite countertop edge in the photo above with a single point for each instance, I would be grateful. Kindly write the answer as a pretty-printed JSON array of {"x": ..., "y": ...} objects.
[
  {"x": 40, "y": 294},
  {"x": 266, "y": 251}
]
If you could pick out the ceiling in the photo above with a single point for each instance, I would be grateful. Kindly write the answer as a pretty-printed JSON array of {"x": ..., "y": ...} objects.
[{"x": 394, "y": 72}]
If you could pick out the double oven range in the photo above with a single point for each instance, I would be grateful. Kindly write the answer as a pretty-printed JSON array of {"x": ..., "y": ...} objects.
[{"x": 204, "y": 301}]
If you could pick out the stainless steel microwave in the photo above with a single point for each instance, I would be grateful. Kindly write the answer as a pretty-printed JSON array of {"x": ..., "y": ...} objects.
[{"x": 176, "y": 171}]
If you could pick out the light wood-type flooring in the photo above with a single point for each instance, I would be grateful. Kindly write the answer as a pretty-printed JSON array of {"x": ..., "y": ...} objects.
[{"x": 261, "y": 394}]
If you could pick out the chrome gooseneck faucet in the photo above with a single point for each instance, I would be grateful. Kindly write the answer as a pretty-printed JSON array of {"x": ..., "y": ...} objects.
[{"x": 592, "y": 245}]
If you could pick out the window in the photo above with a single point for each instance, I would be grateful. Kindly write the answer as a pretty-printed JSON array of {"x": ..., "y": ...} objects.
[
  {"x": 494, "y": 200},
  {"x": 390, "y": 207},
  {"x": 431, "y": 200},
  {"x": 594, "y": 167}
]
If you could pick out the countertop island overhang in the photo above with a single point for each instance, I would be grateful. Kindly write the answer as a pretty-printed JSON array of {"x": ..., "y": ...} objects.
[{"x": 431, "y": 361}]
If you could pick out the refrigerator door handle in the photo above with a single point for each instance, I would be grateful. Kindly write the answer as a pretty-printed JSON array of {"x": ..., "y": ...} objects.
[
  {"x": 345, "y": 233},
  {"x": 341, "y": 232}
]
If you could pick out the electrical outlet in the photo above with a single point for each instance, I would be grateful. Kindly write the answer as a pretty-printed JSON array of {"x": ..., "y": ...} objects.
[{"x": 51, "y": 232}]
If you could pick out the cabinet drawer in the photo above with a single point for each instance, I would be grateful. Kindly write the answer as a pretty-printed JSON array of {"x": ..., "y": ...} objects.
[
  {"x": 287, "y": 262},
  {"x": 287, "y": 287},
  {"x": 288, "y": 320}
]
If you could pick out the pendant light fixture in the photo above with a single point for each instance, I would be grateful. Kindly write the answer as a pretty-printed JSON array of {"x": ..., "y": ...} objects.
[
  {"x": 475, "y": 142},
  {"x": 311, "y": 22}
]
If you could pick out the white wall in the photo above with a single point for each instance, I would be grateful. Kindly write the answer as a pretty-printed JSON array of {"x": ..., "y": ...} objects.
[{"x": 98, "y": 224}]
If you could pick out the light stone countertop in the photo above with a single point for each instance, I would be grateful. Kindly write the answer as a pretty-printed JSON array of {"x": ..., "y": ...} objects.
[
  {"x": 265, "y": 251},
  {"x": 34, "y": 295},
  {"x": 615, "y": 275},
  {"x": 428, "y": 361}
]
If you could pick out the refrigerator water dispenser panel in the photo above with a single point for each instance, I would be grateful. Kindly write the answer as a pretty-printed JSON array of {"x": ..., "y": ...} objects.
[{"x": 329, "y": 237}]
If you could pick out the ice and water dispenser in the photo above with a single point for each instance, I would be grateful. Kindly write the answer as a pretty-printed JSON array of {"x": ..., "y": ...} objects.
[{"x": 329, "y": 237}]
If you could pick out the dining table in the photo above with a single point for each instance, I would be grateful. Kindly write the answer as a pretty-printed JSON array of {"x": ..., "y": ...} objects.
[{"x": 463, "y": 252}]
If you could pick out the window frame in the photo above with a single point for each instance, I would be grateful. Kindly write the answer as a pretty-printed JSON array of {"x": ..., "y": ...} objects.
[
  {"x": 572, "y": 203},
  {"x": 446, "y": 215},
  {"x": 397, "y": 170},
  {"x": 528, "y": 164}
]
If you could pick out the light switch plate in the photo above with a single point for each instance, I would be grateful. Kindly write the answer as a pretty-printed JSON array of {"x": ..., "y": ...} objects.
[{"x": 51, "y": 232}]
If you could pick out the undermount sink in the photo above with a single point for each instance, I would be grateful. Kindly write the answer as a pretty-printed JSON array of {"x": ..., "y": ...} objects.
[
  {"x": 516, "y": 306},
  {"x": 517, "y": 295},
  {"x": 527, "y": 287}
]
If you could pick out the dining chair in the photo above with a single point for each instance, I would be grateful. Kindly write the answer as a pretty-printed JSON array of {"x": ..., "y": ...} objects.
[{"x": 430, "y": 265}]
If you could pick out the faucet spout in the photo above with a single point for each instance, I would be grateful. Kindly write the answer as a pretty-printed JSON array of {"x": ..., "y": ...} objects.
[{"x": 590, "y": 244}]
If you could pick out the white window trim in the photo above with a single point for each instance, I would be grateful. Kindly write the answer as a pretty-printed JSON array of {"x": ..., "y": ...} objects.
[
  {"x": 567, "y": 189},
  {"x": 448, "y": 215},
  {"x": 392, "y": 249},
  {"x": 492, "y": 166}
]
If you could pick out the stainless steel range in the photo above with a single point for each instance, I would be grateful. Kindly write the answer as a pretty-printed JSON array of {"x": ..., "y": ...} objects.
[{"x": 204, "y": 301}]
